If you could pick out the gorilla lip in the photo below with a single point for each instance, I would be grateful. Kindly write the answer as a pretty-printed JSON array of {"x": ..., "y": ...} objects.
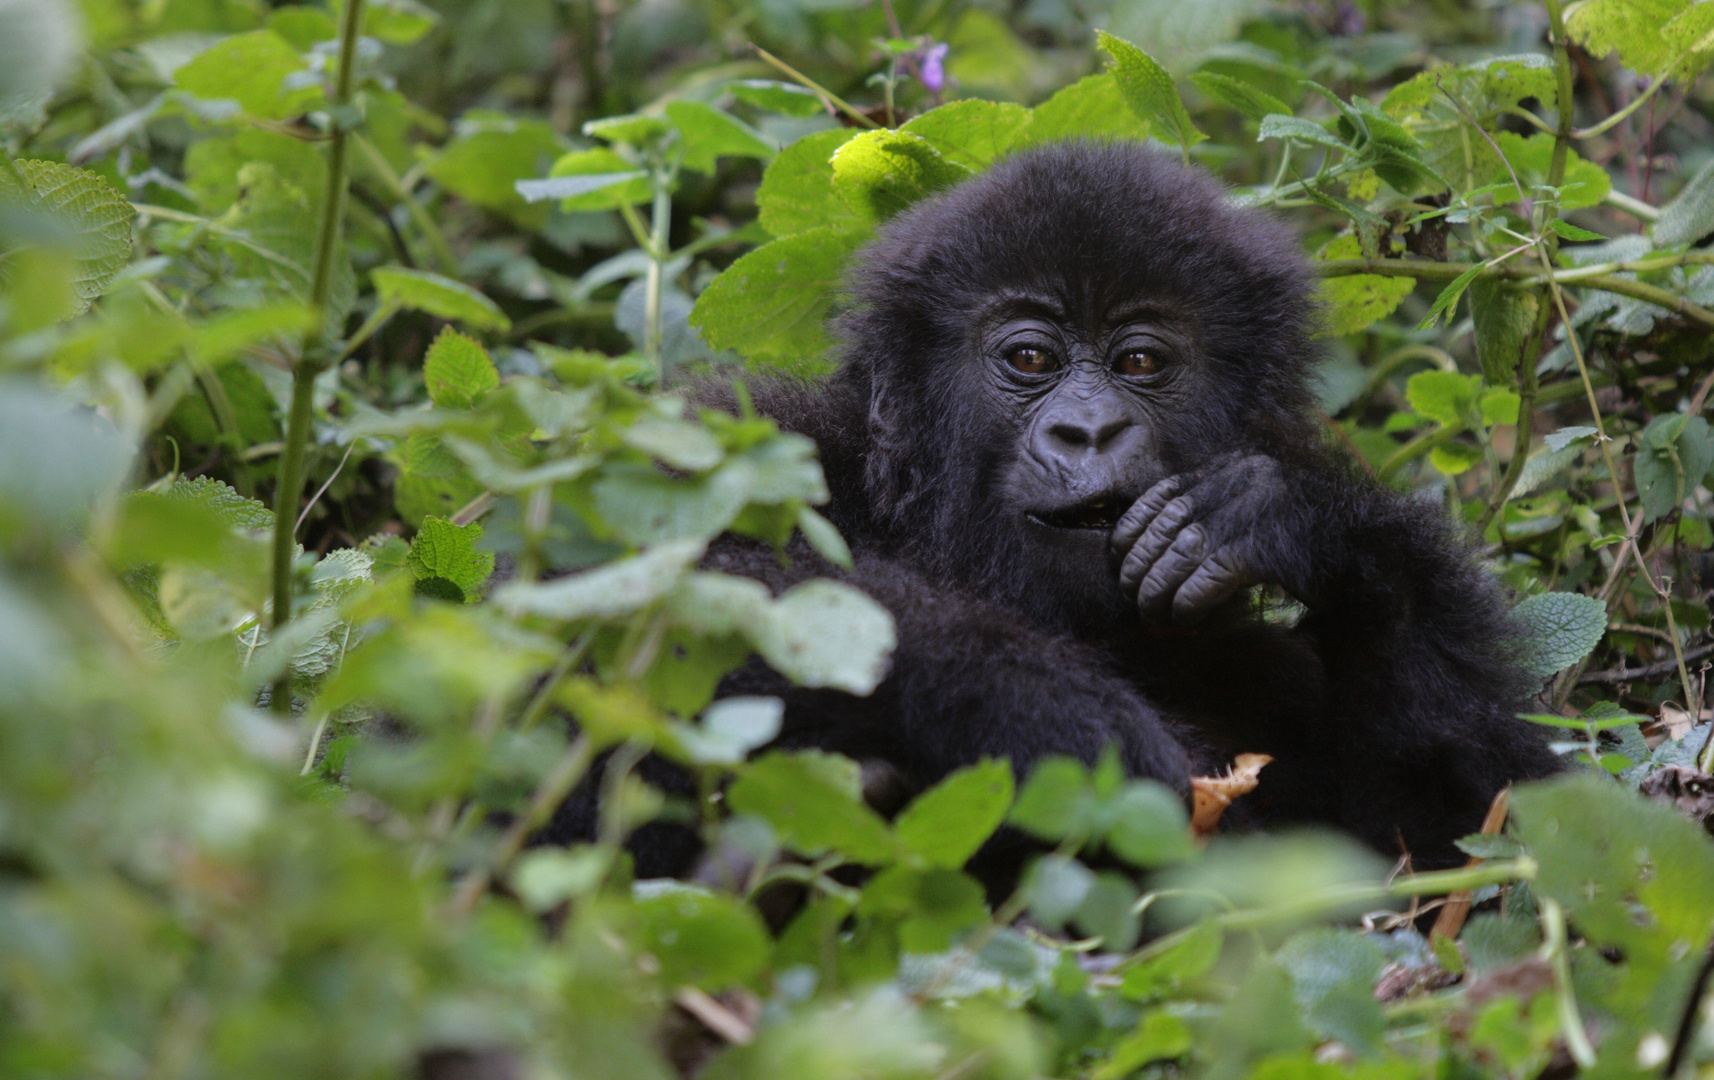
[{"x": 1099, "y": 514}]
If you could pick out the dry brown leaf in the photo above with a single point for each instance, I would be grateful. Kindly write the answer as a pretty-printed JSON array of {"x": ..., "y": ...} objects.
[{"x": 1213, "y": 794}]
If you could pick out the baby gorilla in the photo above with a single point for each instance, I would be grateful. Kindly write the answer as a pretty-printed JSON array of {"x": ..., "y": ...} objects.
[{"x": 1071, "y": 427}]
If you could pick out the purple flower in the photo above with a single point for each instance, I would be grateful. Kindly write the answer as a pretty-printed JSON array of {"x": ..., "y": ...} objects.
[{"x": 933, "y": 67}]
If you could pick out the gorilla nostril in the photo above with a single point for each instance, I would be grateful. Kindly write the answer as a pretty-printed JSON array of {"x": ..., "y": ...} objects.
[{"x": 1080, "y": 436}]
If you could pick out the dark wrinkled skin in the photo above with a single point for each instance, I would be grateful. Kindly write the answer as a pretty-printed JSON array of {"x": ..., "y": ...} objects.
[{"x": 1071, "y": 428}]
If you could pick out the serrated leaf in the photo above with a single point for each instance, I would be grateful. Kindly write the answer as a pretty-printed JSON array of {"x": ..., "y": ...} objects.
[
  {"x": 1447, "y": 302},
  {"x": 1571, "y": 232},
  {"x": 1690, "y": 215},
  {"x": 880, "y": 173},
  {"x": 1149, "y": 90},
  {"x": 1499, "y": 406},
  {"x": 607, "y": 592},
  {"x": 788, "y": 99},
  {"x": 252, "y": 70},
  {"x": 701, "y": 938},
  {"x": 973, "y": 133},
  {"x": 1353, "y": 302},
  {"x": 1504, "y": 318},
  {"x": 947, "y": 823},
  {"x": 458, "y": 371},
  {"x": 707, "y": 134},
  {"x": 1585, "y": 183},
  {"x": 1445, "y": 397},
  {"x": 1565, "y": 436},
  {"x": 1278, "y": 126},
  {"x": 1248, "y": 100},
  {"x": 797, "y": 189},
  {"x": 587, "y": 180},
  {"x": 442, "y": 297},
  {"x": 1093, "y": 107},
  {"x": 813, "y": 803},
  {"x": 448, "y": 552},
  {"x": 824, "y": 633},
  {"x": 1561, "y": 628},
  {"x": 234, "y": 509},
  {"x": 770, "y": 304},
  {"x": 1631, "y": 27},
  {"x": 1673, "y": 455},
  {"x": 93, "y": 219}
]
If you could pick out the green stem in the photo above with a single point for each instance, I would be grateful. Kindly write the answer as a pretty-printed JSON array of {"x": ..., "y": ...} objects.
[
  {"x": 1554, "y": 950},
  {"x": 828, "y": 97},
  {"x": 1565, "y": 104},
  {"x": 1526, "y": 419},
  {"x": 660, "y": 228},
  {"x": 310, "y": 362}
]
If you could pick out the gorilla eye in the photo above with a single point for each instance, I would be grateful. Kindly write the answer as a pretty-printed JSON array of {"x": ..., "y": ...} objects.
[
  {"x": 1031, "y": 360},
  {"x": 1137, "y": 362}
]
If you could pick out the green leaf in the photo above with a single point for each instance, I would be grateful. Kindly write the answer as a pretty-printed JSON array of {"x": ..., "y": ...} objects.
[
  {"x": 587, "y": 180},
  {"x": 1571, "y": 232},
  {"x": 397, "y": 22},
  {"x": 814, "y": 804},
  {"x": 701, "y": 939},
  {"x": 491, "y": 153},
  {"x": 824, "y": 633},
  {"x": 1093, "y": 107},
  {"x": 1149, "y": 90},
  {"x": 933, "y": 905},
  {"x": 1190, "y": 957},
  {"x": 1056, "y": 887},
  {"x": 457, "y": 371},
  {"x": 92, "y": 221},
  {"x": 770, "y": 304},
  {"x": 947, "y": 823},
  {"x": 1147, "y": 825},
  {"x": 730, "y": 729},
  {"x": 635, "y": 129},
  {"x": 1333, "y": 975},
  {"x": 442, "y": 297},
  {"x": 1354, "y": 302},
  {"x": 1159, "y": 1036},
  {"x": 679, "y": 443},
  {"x": 1585, "y": 183},
  {"x": 234, "y": 509},
  {"x": 1633, "y": 28},
  {"x": 250, "y": 69},
  {"x": 1673, "y": 455},
  {"x": 824, "y": 538},
  {"x": 1504, "y": 318},
  {"x": 973, "y": 133},
  {"x": 706, "y": 134},
  {"x": 611, "y": 591},
  {"x": 1057, "y": 801},
  {"x": 1499, "y": 407},
  {"x": 1445, "y": 397},
  {"x": 879, "y": 173},
  {"x": 57, "y": 458},
  {"x": 797, "y": 189},
  {"x": 448, "y": 552},
  {"x": 1278, "y": 126},
  {"x": 1690, "y": 215},
  {"x": 546, "y": 877},
  {"x": 1447, "y": 302},
  {"x": 1560, "y": 629},
  {"x": 39, "y": 47},
  {"x": 786, "y": 98},
  {"x": 1254, "y": 103}
]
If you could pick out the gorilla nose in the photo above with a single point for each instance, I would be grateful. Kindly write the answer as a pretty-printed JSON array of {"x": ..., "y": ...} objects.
[
  {"x": 1083, "y": 435},
  {"x": 1077, "y": 438}
]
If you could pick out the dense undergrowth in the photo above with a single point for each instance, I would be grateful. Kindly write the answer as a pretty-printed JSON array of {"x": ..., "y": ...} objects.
[{"x": 313, "y": 315}]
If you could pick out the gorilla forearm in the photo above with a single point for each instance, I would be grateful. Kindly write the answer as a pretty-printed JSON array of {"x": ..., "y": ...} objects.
[{"x": 969, "y": 679}]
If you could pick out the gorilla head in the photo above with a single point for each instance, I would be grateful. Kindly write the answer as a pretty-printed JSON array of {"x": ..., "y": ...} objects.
[{"x": 1076, "y": 324}]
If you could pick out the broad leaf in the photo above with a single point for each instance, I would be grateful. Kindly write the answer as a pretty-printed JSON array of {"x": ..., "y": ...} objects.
[
  {"x": 1149, "y": 90},
  {"x": 458, "y": 371},
  {"x": 1561, "y": 628},
  {"x": 770, "y": 304},
  {"x": 442, "y": 297},
  {"x": 880, "y": 173}
]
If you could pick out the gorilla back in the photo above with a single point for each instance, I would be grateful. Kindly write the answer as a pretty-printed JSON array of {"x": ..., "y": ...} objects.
[{"x": 1070, "y": 430}]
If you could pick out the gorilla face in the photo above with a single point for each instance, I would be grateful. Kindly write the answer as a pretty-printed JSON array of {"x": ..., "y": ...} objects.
[{"x": 1070, "y": 340}]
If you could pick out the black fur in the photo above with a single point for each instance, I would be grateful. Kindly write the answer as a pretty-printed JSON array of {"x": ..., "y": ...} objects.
[{"x": 1389, "y": 706}]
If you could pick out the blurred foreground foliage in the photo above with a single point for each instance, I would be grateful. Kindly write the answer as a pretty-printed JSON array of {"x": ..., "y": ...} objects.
[{"x": 314, "y": 316}]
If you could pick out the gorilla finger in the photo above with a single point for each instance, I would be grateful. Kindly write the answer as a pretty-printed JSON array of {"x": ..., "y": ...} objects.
[
  {"x": 1155, "y": 595},
  {"x": 1166, "y": 527},
  {"x": 1142, "y": 512},
  {"x": 1211, "y": 585}
]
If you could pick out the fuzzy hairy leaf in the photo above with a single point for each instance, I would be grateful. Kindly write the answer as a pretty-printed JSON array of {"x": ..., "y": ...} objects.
[
  {"x": 1561, "y": 628},
  {"x": 770, "y": 304},
  {"x": 90, "y": 218},
  {"x": 1149, "y": 90}
]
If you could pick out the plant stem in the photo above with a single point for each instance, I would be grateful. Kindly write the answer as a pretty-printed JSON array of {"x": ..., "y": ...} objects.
[
  {"x": 1554, "y": 950},
  {"x": 420, "y": 217},
  {"x": 660, "y": 229},
  {"x": 828, "y": 98},
  {"x": 309, "y": 364}
]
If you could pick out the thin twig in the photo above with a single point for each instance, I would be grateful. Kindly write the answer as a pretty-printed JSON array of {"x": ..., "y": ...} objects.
[
  {"x": 313, "y": 499},
  {"x": 1613, "y": 676}
]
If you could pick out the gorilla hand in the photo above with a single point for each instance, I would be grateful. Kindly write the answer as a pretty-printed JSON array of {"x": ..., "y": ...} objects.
[{"x": 1192, "y": 541}]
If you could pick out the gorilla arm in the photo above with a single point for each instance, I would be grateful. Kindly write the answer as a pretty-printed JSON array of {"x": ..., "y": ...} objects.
[
  {"x": 969, "y": 680},
  {"x": 1414, "y": 637}
]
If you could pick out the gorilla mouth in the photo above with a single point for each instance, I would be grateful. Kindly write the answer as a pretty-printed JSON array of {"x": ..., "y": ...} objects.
[{"x": 1096, "y": 515}]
